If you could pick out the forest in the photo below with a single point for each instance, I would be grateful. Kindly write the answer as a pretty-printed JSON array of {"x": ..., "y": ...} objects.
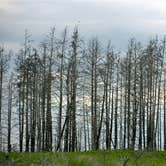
[{"x": 67, "y": 94}]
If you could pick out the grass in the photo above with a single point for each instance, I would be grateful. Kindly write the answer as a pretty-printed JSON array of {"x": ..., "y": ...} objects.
[{"x": 91, "y": 158}]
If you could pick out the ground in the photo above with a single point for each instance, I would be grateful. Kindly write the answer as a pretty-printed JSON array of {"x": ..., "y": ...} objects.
[{"x": 91, "y": 158}]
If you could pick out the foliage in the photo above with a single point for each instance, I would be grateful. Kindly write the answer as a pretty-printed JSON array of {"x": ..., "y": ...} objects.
[{"x": 90, "y": 158}]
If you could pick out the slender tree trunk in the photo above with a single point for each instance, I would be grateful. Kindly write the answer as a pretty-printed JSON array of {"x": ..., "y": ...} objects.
[
  {"x": 9, "y": 113},
  {"x": 1, "y": 81},
  {"x": 27, "y": 113},
  {"x": 61, "y": 85},
  {"x": 116, "y": 110}
]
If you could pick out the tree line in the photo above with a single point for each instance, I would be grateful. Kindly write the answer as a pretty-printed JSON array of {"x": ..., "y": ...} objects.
[{"x": 72, "y": 95}]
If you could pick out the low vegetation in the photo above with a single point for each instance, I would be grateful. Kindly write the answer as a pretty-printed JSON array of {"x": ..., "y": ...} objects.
[{"x": 91, "y": 158}]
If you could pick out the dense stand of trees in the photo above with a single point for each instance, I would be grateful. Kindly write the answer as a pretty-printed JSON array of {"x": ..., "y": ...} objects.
[{"x": 69, "y": 95}]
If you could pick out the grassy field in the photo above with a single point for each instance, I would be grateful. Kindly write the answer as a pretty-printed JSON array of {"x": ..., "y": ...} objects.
[{"x": 99, "y": 158}]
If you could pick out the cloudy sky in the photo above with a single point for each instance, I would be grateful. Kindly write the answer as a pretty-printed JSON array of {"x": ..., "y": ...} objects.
[{"x": 117, "y": 20}]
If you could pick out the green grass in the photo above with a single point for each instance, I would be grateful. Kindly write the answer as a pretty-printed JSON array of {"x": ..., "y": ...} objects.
[{"x": 92, "y": 158}]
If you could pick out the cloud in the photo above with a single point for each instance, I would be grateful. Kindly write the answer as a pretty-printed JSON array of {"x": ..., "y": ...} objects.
[{"x": 115, "y": 19}]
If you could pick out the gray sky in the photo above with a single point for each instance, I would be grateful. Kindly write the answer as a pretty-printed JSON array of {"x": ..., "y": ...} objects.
[{"x": 117, "y": 20}]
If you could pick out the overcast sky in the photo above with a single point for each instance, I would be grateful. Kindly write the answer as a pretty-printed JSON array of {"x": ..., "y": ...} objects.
[{"x": 117, "y": 20}]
